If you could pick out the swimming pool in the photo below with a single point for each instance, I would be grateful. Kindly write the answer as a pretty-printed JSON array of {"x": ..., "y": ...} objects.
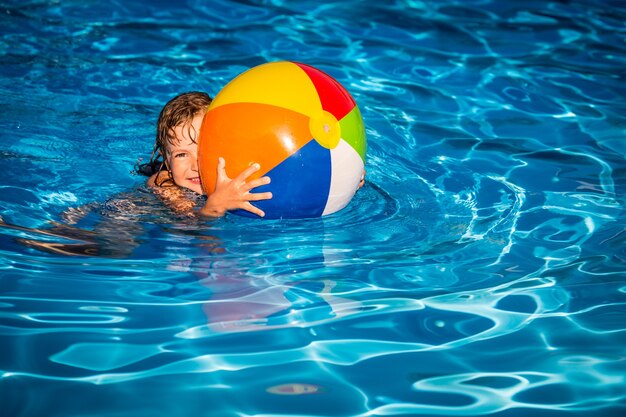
[{"x": 480, "y": 270}]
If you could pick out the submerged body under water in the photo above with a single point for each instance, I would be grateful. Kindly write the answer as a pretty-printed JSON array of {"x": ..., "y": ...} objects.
[{"x": 479, "y": 271}]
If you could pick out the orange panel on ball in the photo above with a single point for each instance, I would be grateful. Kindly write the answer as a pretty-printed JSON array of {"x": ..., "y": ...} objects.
[{"x": 245, "y": 133}]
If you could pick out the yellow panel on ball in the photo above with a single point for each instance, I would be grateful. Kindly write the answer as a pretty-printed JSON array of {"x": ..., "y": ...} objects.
[{"x": 281, "y": 84}]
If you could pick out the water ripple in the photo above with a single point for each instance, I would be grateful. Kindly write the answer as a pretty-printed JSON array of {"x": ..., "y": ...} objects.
[{"x": 478, "y": 271}]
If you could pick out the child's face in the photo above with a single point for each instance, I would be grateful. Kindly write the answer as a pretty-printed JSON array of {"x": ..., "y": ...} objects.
[{"x": 182, "y": 156}]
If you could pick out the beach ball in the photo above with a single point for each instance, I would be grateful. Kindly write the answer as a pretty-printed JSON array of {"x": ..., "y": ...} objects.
[{"x": 300, "y": 125}]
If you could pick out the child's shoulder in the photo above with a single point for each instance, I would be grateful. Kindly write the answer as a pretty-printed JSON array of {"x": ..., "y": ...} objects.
[
  {"x": 173, "y": 195},
  {"x": 161, "y": 179}
]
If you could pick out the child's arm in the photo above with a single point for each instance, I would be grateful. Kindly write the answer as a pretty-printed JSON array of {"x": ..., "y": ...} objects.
[
  {"x": 231, "y": 194},
  {"x": 174, "y": 197}
]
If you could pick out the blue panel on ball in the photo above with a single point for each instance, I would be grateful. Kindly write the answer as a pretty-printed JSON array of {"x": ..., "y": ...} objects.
[{"x": 300, "y": 185}]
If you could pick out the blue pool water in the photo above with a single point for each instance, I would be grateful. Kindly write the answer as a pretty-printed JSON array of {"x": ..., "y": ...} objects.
[{"x": 480, "y": 271}]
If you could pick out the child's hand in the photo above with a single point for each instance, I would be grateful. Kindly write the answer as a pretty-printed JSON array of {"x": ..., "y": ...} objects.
[
  {"x": 231, "y": 194},
  {"x": 362, "y": 182}
]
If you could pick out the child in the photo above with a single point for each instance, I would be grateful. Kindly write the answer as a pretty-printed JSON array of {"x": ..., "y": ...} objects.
[{"x": 173, "y": 165}]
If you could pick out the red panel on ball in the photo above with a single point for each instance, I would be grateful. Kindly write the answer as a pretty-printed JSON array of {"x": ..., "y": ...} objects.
[{"x": 335, "y": 99}]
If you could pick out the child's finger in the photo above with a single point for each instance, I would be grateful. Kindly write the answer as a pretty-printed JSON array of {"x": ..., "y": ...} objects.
[
  {"x": 221, "y": 169},
  {"x": 257, "y": 183},
  {"x": 248, "y": 171},
  {"x": 254, "y": 210},
  {"x": 259, "y": 196}
]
